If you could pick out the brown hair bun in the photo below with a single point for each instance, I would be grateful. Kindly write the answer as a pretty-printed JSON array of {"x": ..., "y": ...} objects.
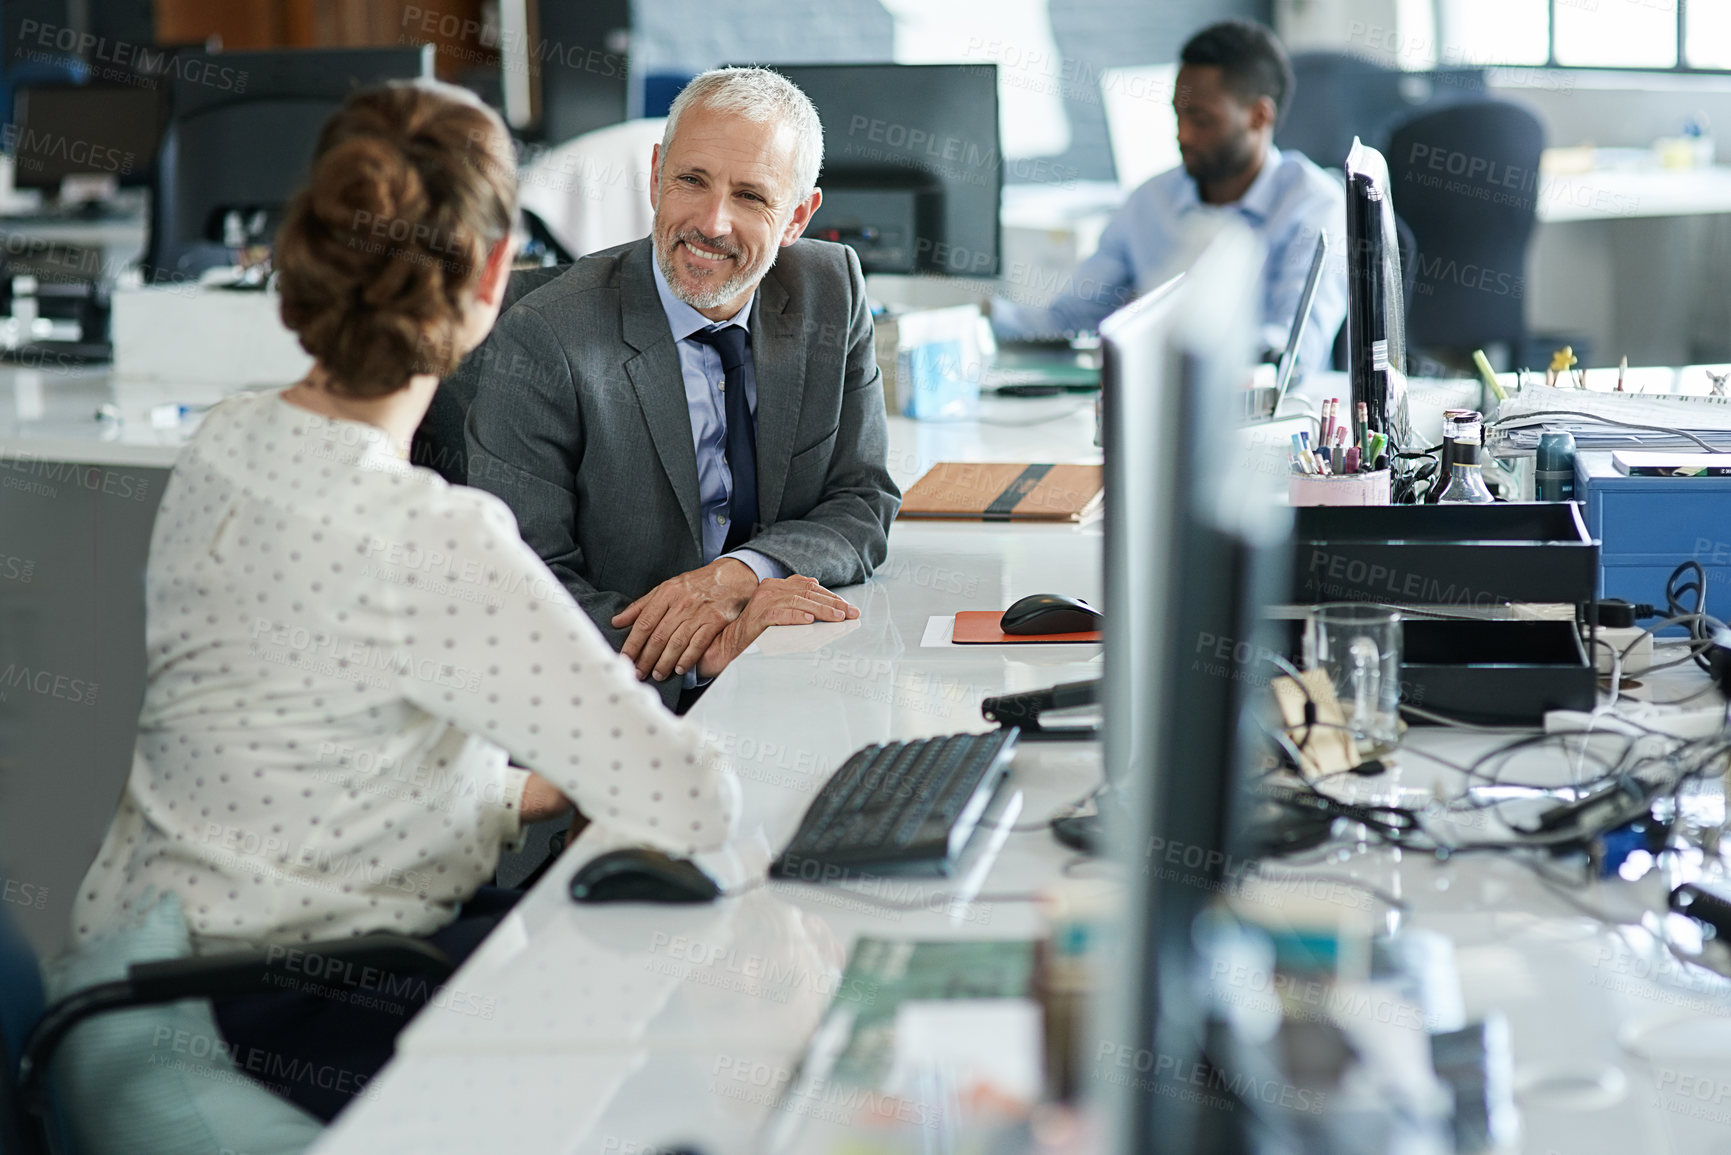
[{"x": 412, "y": 183}]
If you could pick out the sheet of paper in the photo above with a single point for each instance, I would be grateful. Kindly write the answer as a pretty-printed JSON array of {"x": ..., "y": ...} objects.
[{"x": 996, "y": 1043}]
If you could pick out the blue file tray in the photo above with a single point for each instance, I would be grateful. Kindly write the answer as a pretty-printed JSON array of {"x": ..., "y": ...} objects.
[{"x": 1647, "y": 526}]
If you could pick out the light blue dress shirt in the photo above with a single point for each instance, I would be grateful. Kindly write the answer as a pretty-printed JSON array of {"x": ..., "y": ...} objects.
[
  {"x": 1149, "y": 240},
  {"x": 705, "y": 401}
]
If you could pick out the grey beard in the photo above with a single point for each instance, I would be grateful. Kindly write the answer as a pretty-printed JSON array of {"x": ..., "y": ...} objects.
[{"x": 740, "y": 282}]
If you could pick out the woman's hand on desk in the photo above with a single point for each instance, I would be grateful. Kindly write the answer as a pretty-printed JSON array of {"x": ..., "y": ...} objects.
[{"x": 792, "y": 601}]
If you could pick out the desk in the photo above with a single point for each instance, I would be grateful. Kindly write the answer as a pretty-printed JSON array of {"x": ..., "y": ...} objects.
[
  {"x": 583, "y": 1029},
  {"x": 1631, "y": 260},
  {"x": 1591, "y": 196}
]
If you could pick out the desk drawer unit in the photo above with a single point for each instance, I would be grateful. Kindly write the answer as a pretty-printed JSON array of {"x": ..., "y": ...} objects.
[{"x": 1647, "y": 526}]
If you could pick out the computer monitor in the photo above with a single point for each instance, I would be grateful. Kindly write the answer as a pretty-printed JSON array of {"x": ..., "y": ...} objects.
[
  {"x": 239, "y": 141},
  {"x": 1375, "y": 308},
  {"x": 912, "y": 166},
  {"x": 64, "y": 130},
  {"x": 1192, "y": 556}
]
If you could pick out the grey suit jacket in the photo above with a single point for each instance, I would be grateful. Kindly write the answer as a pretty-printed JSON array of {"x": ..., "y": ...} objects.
[{"x": 580, "y": 425}]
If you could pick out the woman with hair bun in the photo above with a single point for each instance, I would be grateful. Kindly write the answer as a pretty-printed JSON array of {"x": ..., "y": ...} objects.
[{"x": 345, "y": 653}]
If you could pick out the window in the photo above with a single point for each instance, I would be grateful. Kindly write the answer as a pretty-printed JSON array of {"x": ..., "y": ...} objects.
[
  {"x": 1481, "y": 32},
  {"x": 1585, "y": 33},
  {"x": 1616, "y": 33},
  {"x": 1709, "y": 40}
]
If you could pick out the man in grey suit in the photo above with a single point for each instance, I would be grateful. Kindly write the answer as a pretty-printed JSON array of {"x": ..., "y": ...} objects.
[{"x": 696, "y": 419}]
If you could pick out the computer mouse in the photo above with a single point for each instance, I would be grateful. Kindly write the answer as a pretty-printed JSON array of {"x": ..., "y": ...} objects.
[
  {"x": 1049, "y": 614},
  {"x": 637, "y": 874}
]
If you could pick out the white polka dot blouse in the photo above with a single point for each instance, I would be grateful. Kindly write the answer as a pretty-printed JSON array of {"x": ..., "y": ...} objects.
[{"x": 343, "y": 651}]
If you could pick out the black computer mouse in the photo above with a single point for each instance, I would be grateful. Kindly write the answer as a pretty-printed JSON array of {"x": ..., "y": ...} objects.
[
  {"x": 637, "y": 874},
  {"x": 1049, "y": 614}
]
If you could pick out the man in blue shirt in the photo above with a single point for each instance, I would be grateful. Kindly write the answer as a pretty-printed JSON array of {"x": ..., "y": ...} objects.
[{"x": 1234, "y": 81}]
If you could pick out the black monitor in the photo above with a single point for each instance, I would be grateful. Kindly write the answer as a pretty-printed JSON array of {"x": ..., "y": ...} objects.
[
  {"x": 239, "y": 142},
  {"x": 64, "y": 130},
  {"x": 912, "y": 168},
  {"x": 1193, "y": 554},
  {"x": 1375, "y": 307}
]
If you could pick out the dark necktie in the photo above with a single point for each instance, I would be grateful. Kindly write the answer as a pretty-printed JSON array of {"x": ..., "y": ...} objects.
[{"x": 741, "y": 438}]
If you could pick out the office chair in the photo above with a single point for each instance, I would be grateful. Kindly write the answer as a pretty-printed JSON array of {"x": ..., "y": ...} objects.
[
  {"x": 200, "y": 179},
  {"x": 438, "y": 444},
  {"x": 30, "y": 1033},
  {"x": 1473, "y": 216},
  {"x": 592, "y": 191},
  {"x": 234, "y": 152}
]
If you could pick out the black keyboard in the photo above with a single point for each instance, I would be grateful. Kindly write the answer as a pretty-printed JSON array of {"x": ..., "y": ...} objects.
[{"x": 900, "y": 805}]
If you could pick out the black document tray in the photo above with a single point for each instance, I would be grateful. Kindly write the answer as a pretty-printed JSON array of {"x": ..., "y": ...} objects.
[
  {"x": 1474, "y": 556},
  {"x": 1495, "y": 672}
]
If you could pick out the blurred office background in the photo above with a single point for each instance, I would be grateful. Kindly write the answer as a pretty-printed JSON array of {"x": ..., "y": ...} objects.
[
  {"x": 1630, "y": 264},
  {"x": 1618, "y": 240}
]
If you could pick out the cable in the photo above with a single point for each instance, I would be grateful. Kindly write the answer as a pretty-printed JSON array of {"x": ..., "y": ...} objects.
[
  {"x": 1606, "y": 420},
  {"x": 1459, "y": 723},
  {"x": 1343, "y": 879}
]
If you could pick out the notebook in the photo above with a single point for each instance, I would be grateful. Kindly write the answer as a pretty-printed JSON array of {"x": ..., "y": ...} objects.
[{"x": 1004, "y": 491}]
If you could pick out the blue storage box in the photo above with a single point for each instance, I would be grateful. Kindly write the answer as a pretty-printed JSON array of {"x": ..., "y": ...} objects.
[{"x": 1648, "y": 526}]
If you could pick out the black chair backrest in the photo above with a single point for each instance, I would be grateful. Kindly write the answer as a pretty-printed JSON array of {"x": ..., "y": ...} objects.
[
  {"x": 212, "y": 162},
  {"x": 439, "y": 443},
  {"x": 240, "y": 136},
  {"x": 1466, "y": 178}
]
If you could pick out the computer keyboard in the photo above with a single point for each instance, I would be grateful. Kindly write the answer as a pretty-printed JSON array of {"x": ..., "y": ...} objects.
[{"x": 900, "y": 805}]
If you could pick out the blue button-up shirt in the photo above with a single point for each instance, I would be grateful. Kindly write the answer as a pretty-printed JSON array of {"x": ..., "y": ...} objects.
[
  {"x": 705, "y": 401},
  {"x": 1149, "y": 240}
]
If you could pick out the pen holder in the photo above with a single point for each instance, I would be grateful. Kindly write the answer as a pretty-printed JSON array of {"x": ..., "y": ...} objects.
[{"x": 1346, "y": 489}]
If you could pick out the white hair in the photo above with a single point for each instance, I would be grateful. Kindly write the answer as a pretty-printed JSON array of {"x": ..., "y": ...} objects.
[{"x": 761, "y": 96}]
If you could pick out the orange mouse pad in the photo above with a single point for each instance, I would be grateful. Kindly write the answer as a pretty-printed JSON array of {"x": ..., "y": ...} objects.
[{"x": 980, "y": 628}]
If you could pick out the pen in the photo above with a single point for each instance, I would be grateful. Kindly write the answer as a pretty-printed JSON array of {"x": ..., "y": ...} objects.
[
  {"x": 1622, "y": 368},
  {"x": 1352, "y": 460},
  {"x": 1324, "y": 421}
]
